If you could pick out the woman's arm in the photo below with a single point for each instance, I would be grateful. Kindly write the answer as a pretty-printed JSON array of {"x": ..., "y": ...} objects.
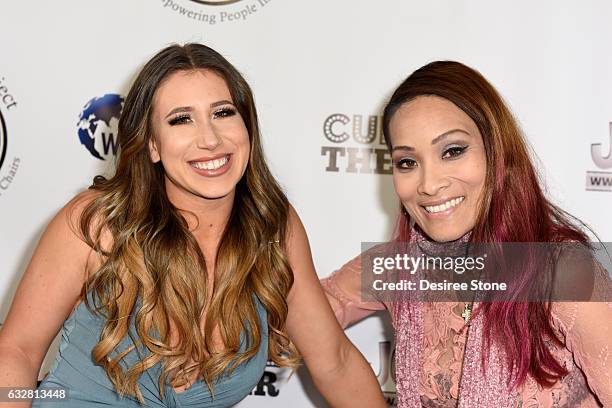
[
  {"x": 338, "y": 369},
  {"x": 587, "y": 331},
  {"x": 47, "y": 292},
  {"x": 343, "y": 290},
  {"x": 586, "y": 327}
]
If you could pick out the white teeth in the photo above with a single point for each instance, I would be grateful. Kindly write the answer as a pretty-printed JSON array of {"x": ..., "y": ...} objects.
[
  {"x": 443, "y": 207},
  {"x": 210, "y": 164}
]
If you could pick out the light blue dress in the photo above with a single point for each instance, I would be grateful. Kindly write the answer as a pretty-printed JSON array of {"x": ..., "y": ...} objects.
[{"x": 88, "y": 385}]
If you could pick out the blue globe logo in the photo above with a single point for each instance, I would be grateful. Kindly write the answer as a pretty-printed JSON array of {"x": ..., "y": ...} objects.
[{"x": 98, "y": 123}]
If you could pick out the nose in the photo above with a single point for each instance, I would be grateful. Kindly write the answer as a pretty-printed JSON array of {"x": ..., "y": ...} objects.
[
  {"x": 208, "y": 137},
  {"x": 432, "y": 180}
]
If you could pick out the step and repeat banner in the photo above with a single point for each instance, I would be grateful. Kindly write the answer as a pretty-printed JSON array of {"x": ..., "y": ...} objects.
[{"x": 321, "y": 72}]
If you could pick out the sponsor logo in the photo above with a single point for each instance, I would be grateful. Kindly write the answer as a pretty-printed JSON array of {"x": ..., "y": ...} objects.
[
  {"x": 215, "y": 11},
  {"x": 98, "y": 124},
  {"x": 358, "y": 145},
  {"x": 601, "y": 180},
  {"x": 8, "y": 167},
  {"x": 274, "y": 376},
  {"x": 216, "y": 2},
  {"x": 268, "y": 383},
  {"x": 3, "y": 139}
]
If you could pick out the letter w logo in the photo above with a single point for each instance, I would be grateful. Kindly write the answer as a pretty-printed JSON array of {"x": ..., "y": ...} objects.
[{"x": 109, "y": 143}]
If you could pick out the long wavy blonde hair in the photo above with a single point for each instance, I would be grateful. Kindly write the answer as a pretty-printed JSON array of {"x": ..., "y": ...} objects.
[{"x": 155, "y": 258}]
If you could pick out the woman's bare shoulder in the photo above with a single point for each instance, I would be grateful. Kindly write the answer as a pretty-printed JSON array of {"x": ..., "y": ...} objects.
[{"x": 51, "y": 283}]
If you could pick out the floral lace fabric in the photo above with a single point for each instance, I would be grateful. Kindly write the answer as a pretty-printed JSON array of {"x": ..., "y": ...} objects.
[{"x": 585, "y": 329}]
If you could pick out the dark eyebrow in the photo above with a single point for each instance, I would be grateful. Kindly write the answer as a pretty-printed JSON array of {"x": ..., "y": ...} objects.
[
  {"x": 182, "y": 109},
  {"x": 437, "y": 139},
  {"x": 407, "y": 148},
  {"x": 446, "y": 134},
  {"x": 219, "y": 103}
]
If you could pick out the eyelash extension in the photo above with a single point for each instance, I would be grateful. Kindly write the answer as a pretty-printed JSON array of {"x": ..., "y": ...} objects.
[
  {"x": 180, "y": 119},
  {"x": 457, "y": 151},
  {"x": 398, "y": 164},
  {"x": 224, "y": 113}
]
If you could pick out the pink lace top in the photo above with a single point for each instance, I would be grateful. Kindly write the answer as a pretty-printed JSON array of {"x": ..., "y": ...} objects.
[{"x": 438, "y": 359}]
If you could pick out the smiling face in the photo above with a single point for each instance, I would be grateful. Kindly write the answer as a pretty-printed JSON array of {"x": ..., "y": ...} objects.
[
  {"x": 439, "y": 166},
  {"x": 199, "y": 137}
]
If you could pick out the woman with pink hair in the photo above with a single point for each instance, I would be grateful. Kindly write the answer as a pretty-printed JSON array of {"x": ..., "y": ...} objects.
[{"x": 463, "y": 174}]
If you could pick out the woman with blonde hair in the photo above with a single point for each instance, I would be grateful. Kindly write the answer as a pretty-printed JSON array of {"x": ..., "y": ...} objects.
[
  {"x": 462, "y": 172},
  {"x": 177, "y": 278}
]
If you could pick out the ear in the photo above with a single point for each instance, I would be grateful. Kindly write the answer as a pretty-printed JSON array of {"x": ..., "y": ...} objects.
[{"x": 153, "y": 151}]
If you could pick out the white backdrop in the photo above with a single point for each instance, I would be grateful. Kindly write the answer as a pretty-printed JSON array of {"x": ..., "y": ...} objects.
[{"x": 306, "y": 61}]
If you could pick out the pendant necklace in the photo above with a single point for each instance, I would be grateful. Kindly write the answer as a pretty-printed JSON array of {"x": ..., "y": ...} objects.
[{"x": 467, "y": 313}]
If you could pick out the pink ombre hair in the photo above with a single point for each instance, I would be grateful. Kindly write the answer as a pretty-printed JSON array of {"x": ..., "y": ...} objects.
[{"x": 514, "y": 209}]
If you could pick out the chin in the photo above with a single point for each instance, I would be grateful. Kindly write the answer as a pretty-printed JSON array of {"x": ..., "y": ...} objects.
[
  {"x": 216, "y": 195},
  {"x": 217, "y": 189},
  {"x": 445, "y": 236}
]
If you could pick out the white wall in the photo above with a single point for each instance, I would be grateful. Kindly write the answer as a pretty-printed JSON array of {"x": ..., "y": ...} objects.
[{"x": 306, "y": 60}]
